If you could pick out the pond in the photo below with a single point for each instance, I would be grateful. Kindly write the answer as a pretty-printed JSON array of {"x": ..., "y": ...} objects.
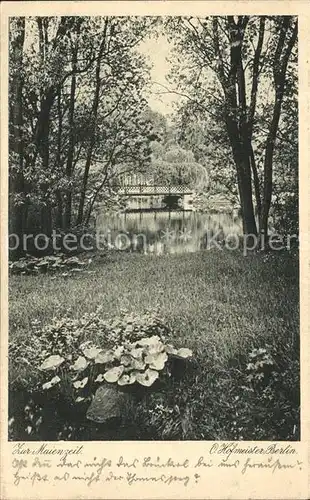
[{"x": 162, "y": 232}]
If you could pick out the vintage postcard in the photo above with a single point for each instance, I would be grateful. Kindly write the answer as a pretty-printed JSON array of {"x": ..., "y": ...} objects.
[{"x": 155, "y": 250}]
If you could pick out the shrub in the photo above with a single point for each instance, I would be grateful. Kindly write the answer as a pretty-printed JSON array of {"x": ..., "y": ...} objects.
[
  {"x": 48, "y": 264},
  {"x": 94, "y": 365},
  {"x": 256, "y": 398}
]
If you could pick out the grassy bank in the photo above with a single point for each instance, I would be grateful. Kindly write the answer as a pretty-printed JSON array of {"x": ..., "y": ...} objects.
[{"x": 220, "y": 304}]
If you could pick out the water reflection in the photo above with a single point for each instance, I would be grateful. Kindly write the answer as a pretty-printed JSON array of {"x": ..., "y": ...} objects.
[{"x": 171, "y": 232}]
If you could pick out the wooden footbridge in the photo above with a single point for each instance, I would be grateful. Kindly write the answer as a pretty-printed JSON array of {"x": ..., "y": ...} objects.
[
  {"x": 143, "y": 194},
  {"x": 154, "y": 190}
]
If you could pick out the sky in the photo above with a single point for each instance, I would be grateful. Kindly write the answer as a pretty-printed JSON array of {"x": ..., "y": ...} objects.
[{"x": 157, "y": 51}]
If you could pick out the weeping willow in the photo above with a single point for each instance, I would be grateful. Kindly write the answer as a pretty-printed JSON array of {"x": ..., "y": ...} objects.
[{"x": 175, "y": 166}]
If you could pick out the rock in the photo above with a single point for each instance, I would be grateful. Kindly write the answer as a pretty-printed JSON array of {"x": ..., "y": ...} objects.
[{"x": 109, "y": 402}]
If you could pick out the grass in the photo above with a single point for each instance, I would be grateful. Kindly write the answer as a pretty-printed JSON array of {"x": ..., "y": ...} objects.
[{"x": 218, "y": 303}]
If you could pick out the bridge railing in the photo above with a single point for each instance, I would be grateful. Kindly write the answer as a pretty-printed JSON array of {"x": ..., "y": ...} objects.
[{"x": 143, "y": 189}]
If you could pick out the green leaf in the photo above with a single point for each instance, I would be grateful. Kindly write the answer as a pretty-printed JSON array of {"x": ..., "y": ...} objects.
[
  {"x": 157, "y": 361},
  {"x": 147, "y": 378},
  {"x": 156, "y": 348},
  {"x": 104, "y": 357},
  {"x": 127, "y": 379},
  {"x": 80, "y": 384},
  {"x": 184, "y": 353},
  {"x": 119, "y": 350},
  {"x": 80, "y": 364},
  {"x": 170, "y": 349},
  {"x": 137, "y": 353},
  {"x": 126, "y": 360},
  {"x": 52, "y": 362},
  {"x": 148, "y": 341},
  {"x": 51, "y": 383},
  {"x": 91, "y": 353},
  {"x": 137, "y": 364},
  {"x": 113, "y": 374}
]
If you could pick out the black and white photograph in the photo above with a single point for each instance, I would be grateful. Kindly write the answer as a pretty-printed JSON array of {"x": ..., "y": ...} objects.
[{"x": 153, "y": 228}]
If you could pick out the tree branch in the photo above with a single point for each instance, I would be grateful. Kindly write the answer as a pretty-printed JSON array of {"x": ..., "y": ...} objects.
[{"x": 255, "y": 76}]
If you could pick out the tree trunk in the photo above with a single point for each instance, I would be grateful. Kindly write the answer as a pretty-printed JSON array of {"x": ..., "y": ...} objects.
[
  {"x": 256, "y": 185},
  {"x": 268, "y": 166},
  {"x": 87, "y": 219},
  {"x": 59, "y": 213},
  {"x": 16, "y": 181},
  {"x": 69, "y": 166},
  {"x": 243, "y": 168},
  {"x": 245, "y": 187},
  {"x": 236, "y": 123},
  {"x": 281, "y": 58},
  {"x": 93, "y": 118},
  {"x": 43, "y": 127}
]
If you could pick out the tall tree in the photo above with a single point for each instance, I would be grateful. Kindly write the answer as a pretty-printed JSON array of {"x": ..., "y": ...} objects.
[
  {"x": 287, "y": 36},
  {"x": 16, "y": 132},
  {"x": 71, "y": 142},
  {"x": 77, "y": 115},
  {"x": 93, "y": 118},
  {"x": 229, "y": 62}
]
